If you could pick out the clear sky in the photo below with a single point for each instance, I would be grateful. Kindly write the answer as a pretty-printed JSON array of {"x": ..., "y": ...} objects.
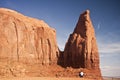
[{"x": 63, "y": 16}]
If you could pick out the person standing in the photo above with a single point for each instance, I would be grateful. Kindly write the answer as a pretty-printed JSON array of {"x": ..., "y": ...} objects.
[{"x": 81, "y": 74}]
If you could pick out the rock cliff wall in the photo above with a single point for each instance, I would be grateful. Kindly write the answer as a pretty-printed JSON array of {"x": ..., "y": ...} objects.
[{"x": 25, "y": 39}]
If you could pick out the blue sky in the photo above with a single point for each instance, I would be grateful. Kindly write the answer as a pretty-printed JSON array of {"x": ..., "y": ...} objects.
[{"x": 63, "y": 16}]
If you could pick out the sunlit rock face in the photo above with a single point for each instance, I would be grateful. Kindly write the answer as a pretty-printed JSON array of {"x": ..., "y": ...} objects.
[
  {"x": 81, "y": 50},
  {"x": 25, "y": 39},
  {"x": 28, "y": 47}
]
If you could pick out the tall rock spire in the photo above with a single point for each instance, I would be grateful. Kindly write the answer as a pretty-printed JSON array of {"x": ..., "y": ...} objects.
[{"x": 81, "y": 49}]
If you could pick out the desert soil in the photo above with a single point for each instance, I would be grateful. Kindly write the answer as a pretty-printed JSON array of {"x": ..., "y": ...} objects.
[{"x": 43, "y": 78}]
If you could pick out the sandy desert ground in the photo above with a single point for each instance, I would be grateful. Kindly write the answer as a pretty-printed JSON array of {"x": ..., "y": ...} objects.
[
  {"x": 52, "y": 78},
  {"x": 43, "y": 78}
]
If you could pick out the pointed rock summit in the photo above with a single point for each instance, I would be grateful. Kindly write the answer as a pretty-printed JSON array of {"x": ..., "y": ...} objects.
[{"x": 81, "y": 50}]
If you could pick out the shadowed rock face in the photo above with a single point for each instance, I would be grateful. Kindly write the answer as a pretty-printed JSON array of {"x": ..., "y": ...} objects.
[
  {"x": 25, "y": 39},
  {"x": 81, "y": 49}
]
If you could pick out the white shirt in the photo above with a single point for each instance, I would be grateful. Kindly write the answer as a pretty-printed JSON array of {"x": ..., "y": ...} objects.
[{"x": 81, "y": 73}]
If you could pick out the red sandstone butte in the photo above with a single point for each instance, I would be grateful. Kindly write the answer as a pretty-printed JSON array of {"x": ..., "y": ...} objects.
[{"x": 25, "y": 39}]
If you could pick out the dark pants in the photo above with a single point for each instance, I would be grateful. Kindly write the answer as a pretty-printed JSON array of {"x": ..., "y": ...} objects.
[{"x": 81, "y": 75}]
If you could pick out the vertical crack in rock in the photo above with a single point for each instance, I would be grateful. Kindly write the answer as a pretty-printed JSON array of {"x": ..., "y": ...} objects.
[
  {"x": 42, "y": 49},
  {"x": 17, "y": 41},
  {"x": 36, "y": 44},
  {"x": 49, "y": 51}
]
